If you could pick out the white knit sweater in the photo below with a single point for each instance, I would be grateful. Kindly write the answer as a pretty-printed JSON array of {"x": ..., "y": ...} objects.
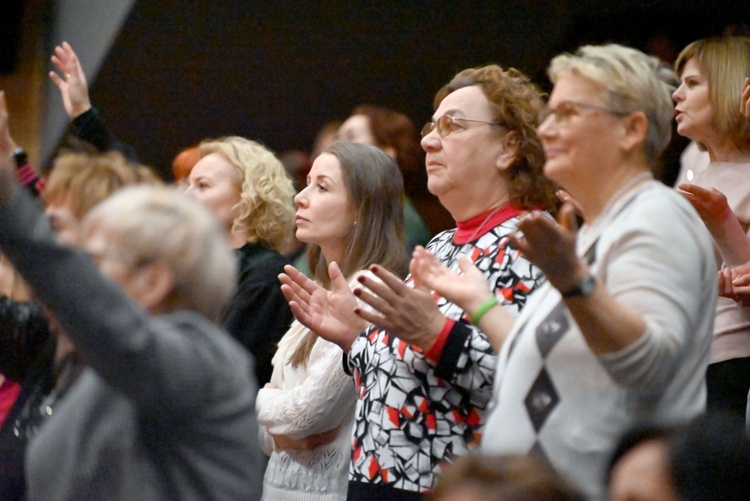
[{"x": 304, "y": 401}]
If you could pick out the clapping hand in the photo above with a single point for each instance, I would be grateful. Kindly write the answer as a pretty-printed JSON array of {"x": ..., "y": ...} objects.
[
  {"x": 409, "y": 313},
  {"x": 330, "y": 314}
]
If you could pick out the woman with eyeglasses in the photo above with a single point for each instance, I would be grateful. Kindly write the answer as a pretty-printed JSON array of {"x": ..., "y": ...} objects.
[
  {"x": 621, "y": 330},
  {"x": 422, "y": 401},
  {"x": 709, "y": 112}
]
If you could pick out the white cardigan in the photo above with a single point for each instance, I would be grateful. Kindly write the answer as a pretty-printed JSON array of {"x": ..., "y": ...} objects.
[{"x": 307, "y": 400}]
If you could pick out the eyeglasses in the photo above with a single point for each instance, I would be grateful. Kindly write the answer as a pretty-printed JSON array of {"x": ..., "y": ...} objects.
[
  {"x": 566, "y": 110},
  {"x": 447, "y": 124}
]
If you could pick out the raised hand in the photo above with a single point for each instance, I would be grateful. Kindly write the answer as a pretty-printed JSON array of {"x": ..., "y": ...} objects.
[
  {"x": 330, "y": 314},
  {"x": 73, "y": 87},
  {"x": 745, "y": 101},
  {"x": 550, "y": 245},
  {"x": 408, "y": 313},
  {"x": 711, "y": 204},
  {"x": 468, "y": 290}
]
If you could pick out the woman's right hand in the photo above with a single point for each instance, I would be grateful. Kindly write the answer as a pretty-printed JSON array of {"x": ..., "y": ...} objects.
[
  {"x": 468, "y": 290},
  {"x": 73, "y": 87},
  {"x": 711, "y": 204},
  {"x": 330, "y": 314}
]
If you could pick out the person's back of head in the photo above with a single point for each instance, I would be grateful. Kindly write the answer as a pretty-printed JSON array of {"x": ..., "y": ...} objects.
[
  {"x": 158, "y": 224},
  {"x": 82, "y": 180},
  {"x": 710, "y": 459},
  {"x": 506, "y": 478}
]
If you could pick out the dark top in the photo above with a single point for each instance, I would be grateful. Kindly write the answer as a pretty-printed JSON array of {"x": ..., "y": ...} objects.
[
  {"x": 165, "y": 407},
  {"x": 27, "y": 351},
  {"x": 258, "y": 315}
]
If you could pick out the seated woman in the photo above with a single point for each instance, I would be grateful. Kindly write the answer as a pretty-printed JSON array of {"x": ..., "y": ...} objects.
[
  {"x": 247, "y": 188},
  {"x": 164, "y": 408},
  {"x": 423, "y": 401},
  {"x": 708, "y": 111},
  {"x": 351, "y": 217},
  {"x": 620, "y": 332}
]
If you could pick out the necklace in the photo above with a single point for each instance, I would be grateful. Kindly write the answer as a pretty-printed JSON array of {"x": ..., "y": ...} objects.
[
  {"x": 489, "y": 216},
  {"x": 634, "y": 181}
]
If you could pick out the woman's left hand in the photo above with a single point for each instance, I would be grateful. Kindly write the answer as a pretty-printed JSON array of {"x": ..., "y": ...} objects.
[
  {"x": 551, "y": 246},
  {"x": 409, "y": 313}
]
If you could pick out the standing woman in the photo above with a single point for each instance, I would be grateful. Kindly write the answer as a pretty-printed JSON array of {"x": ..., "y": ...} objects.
[
  {"x": 350, "y": 213},
  {"x": 247, "y": 188},
  {"x": 708, "y": 111},
  {"x": 424, "y": 373},
  {"x": 620, "y": 331}
]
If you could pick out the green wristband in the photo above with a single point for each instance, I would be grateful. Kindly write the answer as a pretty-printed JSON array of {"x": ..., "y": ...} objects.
[{"x": 483, "y": 309}]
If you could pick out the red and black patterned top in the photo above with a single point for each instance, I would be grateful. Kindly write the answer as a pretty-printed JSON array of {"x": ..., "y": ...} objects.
[{"x": 415, "y": 409}]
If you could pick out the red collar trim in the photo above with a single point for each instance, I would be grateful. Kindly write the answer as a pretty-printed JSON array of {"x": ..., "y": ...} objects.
[{"x": 470, "y": 229}]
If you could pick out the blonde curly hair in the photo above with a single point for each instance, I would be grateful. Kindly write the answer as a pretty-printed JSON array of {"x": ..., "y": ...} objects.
[{"x": 266, "y": 208}]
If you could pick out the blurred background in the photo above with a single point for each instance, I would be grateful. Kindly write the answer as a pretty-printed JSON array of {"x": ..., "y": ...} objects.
[{"x": 167, "y": 73}]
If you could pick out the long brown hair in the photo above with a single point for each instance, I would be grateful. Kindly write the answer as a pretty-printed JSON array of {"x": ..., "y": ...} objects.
[{"x": 376, "y": 190}]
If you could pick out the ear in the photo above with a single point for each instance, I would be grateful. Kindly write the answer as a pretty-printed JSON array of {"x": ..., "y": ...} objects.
[
  {"x": 509, "y": 145},
  {"x": 152, "y": 285},
  {"x": 635, "y": 129},
  {"x": 390, "y": 151}
]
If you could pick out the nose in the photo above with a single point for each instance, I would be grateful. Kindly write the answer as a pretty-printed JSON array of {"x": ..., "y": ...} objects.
[
  {"x": 431, "y": 142},
  {"x": 300, "y": 199},
  {"x": 678, "y": 94},
  {"x": 546, "y": 128}
]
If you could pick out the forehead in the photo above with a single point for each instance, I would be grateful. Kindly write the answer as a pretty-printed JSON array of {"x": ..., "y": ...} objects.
[
  {"x": 214, "y": 165},
  {"x": 326, "y": 165},
  {"x": 97, "y": 238},
  {"x": 692, "y": 67},
  {"x": 573, "y": 87},
  {"x": 356, "y": 122},
  {"x": 469, "y": 102}
]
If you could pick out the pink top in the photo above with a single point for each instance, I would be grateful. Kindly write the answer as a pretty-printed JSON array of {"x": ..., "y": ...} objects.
[{"x": 732, "y": 324}]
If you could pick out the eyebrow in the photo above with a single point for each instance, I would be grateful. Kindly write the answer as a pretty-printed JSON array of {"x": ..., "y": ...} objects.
[{"x": 451, "y": 112}]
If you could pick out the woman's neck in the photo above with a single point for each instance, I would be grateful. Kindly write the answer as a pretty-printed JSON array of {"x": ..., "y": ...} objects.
[
  {"x": 594, "y": 204},
  {"x": 726, "y": 150}
]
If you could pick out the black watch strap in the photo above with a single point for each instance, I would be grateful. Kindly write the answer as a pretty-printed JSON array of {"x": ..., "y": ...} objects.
[{"x": 584, "y": 288}]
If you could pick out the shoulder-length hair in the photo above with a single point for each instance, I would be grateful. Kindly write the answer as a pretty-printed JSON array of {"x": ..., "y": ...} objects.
[
  {"x": 265, "y": 210},
  {"x": 726, "y": 62},
  {"x": 376, "y": 191}
]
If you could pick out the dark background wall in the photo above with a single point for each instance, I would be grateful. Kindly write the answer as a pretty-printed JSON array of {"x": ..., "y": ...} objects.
[{"x": 181, "y": 71}]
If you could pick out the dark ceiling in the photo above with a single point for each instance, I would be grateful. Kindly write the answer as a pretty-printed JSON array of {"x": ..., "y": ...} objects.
[{"x": 181, "y": 71}]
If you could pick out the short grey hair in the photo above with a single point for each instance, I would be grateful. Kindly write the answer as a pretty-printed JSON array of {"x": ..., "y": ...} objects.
[
  {"x": 633, "y": 81},
  {"x": 160, "y": 224}
]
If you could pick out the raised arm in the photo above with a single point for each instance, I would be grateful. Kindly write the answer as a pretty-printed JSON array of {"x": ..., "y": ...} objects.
[
  {"x": 73, "y": 87},
  {"x": 606, "y": 324}
]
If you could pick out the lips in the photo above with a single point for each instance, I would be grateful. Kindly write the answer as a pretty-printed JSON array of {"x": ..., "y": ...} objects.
[{"x": 299, "y": 219}]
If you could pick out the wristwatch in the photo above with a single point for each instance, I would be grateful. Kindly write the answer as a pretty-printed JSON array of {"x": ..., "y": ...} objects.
[
  {"x": 20, "y": 157},
  {"x": 584, "y": 288}
]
